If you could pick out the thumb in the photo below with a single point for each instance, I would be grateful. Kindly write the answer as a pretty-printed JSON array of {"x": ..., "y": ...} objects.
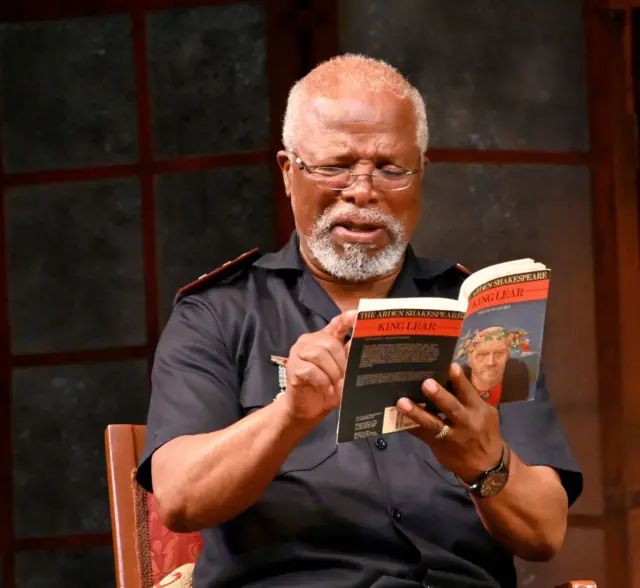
[{"x": 340, "y": 325}]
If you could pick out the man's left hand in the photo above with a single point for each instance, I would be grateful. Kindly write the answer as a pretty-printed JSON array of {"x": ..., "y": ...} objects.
[{"x": 473, "y": 443}]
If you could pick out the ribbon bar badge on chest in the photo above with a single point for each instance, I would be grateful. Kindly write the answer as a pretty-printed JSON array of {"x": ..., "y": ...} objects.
[{"x": 281, "y": 362}]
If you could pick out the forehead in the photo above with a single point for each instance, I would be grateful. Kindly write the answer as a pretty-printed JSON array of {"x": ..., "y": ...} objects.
[
  {"x": 376, "y": 124},
  {"x": 487, "y": 346}
]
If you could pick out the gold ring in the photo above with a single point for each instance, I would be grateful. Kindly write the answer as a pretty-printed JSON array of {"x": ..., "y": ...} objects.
[{"x": 443, "y": 433}]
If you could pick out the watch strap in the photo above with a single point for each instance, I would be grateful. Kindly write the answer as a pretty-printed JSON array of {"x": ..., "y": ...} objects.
[{"x": 502, "y": 466}]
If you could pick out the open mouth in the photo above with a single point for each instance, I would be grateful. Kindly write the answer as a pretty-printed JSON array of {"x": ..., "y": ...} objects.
[
  {"x": 355, "y": 227},
  {"x": 368, "y": 234}
]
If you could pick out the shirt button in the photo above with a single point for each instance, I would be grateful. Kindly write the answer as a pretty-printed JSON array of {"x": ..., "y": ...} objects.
[
  {"x": 397, "y": 515},
  {"x": 381, "y": 444}
]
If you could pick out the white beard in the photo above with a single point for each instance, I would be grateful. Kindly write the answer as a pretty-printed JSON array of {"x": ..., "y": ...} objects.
[{"x": 355, "y": 262}]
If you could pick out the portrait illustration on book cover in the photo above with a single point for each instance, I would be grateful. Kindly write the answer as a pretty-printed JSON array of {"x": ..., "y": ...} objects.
[{"x": 501, "y": 361}]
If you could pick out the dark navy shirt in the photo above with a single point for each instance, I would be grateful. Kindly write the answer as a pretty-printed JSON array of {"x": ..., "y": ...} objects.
[{"x": 377, "y": 512}]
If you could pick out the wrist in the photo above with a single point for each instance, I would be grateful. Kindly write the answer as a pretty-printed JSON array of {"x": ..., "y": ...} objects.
[
  {"x": 483, "y": 463},
  {"x": 291, "y": 424},
  {"x": 493, "y": 480}
]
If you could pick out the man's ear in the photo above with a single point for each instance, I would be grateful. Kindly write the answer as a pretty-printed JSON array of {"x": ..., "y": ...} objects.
[
  {"x": 425, "y": 162},
  {"x": 284, "y": 162}
]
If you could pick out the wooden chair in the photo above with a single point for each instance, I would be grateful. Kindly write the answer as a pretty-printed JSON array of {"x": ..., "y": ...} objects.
[{"x": 145, "y": 551}]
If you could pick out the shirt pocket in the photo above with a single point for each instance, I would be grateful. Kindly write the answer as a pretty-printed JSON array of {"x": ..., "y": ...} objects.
[{"x": 262, "y": 381}]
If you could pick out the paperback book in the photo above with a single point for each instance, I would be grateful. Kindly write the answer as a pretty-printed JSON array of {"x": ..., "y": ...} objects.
[{"x": 494, "y": 330}]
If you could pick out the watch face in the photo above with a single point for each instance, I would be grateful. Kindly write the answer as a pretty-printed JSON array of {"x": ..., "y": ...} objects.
[{"x": 493, "y": 484}]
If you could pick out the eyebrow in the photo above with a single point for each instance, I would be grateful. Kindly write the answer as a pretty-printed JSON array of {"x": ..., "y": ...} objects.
[
  {"x": 349, "y": 156},
  {"x": 340, "y": 157}
]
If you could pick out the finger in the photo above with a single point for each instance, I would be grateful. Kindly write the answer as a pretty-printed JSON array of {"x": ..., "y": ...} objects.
[
  {"x": 313, "y": 343},
  {"x": 448, "y": 404},
  {"x": 334, "y": 393},
  {"x": 340, "y": 325},
  {"x": 337, "y": 350},
  {"x": 427, "y": 421},
  {"x": 308, "y": 374},
  {"x": 325, "y": 361},
  {"x": 347, "y": 347},
  {"x": 465, "y": 392}
]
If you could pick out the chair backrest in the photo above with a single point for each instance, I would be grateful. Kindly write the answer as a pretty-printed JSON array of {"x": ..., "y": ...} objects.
[{"x": 145, "y": 551}]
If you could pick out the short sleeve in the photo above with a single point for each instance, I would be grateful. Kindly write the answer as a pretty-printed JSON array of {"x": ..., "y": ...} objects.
[
  {"x": 533, "y": 432},
  {"x": 194, "y": 381}
]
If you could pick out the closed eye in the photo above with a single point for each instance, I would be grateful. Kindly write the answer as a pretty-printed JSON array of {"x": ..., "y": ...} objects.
[
  {"x": 331, "y": 170},
  {"x": 393, "y": 172}
]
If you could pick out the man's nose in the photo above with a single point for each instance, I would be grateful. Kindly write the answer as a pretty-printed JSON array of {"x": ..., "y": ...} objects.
[{"x": 361, "y": 192}]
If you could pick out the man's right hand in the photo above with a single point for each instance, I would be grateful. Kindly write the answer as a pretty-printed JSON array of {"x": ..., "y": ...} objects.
[{"x": 315, "y": 370}]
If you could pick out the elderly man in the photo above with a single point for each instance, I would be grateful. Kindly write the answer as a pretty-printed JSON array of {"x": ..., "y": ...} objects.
[
  {"x": 258, "y": 471},
  {"x": 492, "y": 371}
]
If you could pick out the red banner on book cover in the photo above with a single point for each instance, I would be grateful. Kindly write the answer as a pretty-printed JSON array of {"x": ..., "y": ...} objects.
[
  {"x": 401, "y": 326},
  {"x": 511, "y": 294}
]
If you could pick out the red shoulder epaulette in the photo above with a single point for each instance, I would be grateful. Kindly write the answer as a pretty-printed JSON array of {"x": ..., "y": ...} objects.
[
  {"x": 226, "y": 270},
  {"x": 463, "y": 269}
]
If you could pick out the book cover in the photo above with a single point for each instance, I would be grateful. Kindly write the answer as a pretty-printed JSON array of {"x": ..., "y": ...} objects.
[
  {"x": 500, "y": 343},
  {"x": 494, "y": 330}
]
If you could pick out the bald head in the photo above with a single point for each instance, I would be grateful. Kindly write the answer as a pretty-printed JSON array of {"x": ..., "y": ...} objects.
[{"x": 345, "y": 78}]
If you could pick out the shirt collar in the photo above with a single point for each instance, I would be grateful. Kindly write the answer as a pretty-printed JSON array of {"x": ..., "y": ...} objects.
[
  {"x": 415, "y": 273},
  {"x": 411, "y": 281},
  {"x": 289, "y": 258}
]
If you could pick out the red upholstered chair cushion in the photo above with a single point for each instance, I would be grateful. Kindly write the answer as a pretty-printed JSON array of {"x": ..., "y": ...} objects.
[
  {"x": 180, "y": 578},
  {"x": 160, "y": 551},
  {"x": 169, "y": 550}
]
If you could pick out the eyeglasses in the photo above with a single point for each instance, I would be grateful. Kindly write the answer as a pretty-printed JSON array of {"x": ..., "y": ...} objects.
[{"x": 341, "y": 178}]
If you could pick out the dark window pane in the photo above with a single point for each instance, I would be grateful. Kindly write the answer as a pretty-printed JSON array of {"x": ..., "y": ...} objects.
[
  {"x": 75, "y": 266},
  {"x": 506, "y": 75},
  {"x": 207, "y": 218},
  {"x": 67, "y": 93},
  {"x": 90, "y": 568},
  {"x": 59, "y": 417},
  {"x": 208, "y": 79},
  {"x": 482, "y": 214}
]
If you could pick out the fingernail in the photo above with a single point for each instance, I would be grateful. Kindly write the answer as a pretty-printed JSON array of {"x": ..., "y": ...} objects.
[
  {"x": 430, "y": 386},
  {"x": 455, "y": 369},
  {"x": 404, "y": 404}
]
